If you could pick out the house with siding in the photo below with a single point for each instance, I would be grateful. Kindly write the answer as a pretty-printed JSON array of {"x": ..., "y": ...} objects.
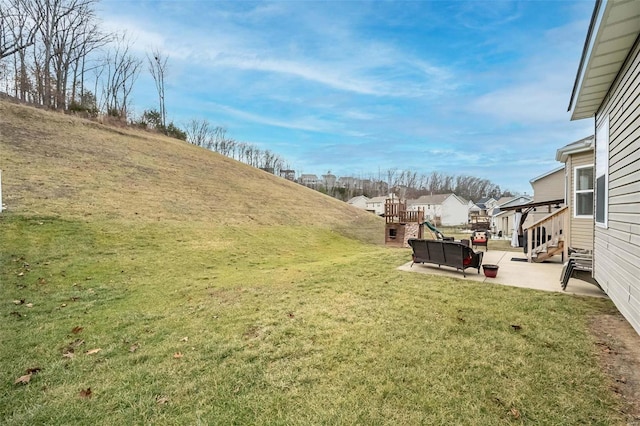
[
  {"x": 607, "y": 91},
  {"x": 329, "y": 181},
  {"x": 376, "y": 205},
  {"x": 479, "y": 213},
  {"x": 502, "y": 221},
  {"x": 546, "y": 187},
  {"x": 442, "y": 209},
  {"x": 543, "y": 220},
  {"x": 578, "y": 159},
  {"x": 309, "y": 180},
  {"x": 485, "y": 205},
  {"x": 359, "y": 201}
]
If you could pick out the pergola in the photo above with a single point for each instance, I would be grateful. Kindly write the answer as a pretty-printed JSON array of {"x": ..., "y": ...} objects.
[{"x": 528, "y": 207}]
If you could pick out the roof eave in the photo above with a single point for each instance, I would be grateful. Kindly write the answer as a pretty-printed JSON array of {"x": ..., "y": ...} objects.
[
  {"x": 549, "y": 173},
  {"x": 613, "y": 32},
  {"x": 584, "y": 145}
]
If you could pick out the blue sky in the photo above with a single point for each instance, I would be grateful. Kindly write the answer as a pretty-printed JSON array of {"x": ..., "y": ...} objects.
[{"x": 477, "y": 88}]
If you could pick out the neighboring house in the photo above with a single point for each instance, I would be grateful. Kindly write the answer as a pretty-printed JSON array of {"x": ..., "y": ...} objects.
[
  {"x": 455, "y": 211},
  {"x": 579, "y": 165},
  {"x": 442, "y": 209},
  {"x": 474, "y": 209},
  {"x": 502, "y": 222},
  {"x": 329, "y": 181},
  {"x": 485, "y": 205},
  {"x": 430, "y": 204},
  {"x": 309, "y": 180},
  {"x": 479, "y": 216},
  {"x": 606, "y": 89},
  {"x": 349, "y": 182},
  {"x": 546, "y": 187},
  {"x": 495, "y": 209},
  {"x": 376, "y": 205},
  {"x": 288, "y": 174},
  {"x": 360, "y": 202}
]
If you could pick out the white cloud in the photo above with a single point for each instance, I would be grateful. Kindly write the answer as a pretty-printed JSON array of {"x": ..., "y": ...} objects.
[{"x": 311, "y": 124}]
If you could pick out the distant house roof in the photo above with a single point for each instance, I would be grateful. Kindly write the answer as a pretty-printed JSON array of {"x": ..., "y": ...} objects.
[
  {"x": 356, "y": 198},
  {"x": 511, "y": 201},
  {"x": 430, "y": 199},
  {"x": 583, "y": 145},
  {"x": 436, "y": 199},
  {"x": 381, "y": 199},
  {"x": 460, "y": 199},
  {"x": 503, "y": 200},
  {"x": 544, "y": 175},
  {"x": 604, "y": 53},
  {"x": 484, "y": 200},
  {"x": 514, "y": 201}
]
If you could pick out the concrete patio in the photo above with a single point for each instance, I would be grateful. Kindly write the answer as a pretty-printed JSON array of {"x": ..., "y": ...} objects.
[{"x": 538, "y": 276}]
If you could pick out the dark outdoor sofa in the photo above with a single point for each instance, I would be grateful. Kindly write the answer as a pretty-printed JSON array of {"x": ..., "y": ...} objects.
[{"x": 448, "y": 253}]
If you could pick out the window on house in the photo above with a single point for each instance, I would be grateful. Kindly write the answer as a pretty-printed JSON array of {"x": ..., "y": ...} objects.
[
  {"x": 602, "y": 172},
  {"x": 583, "y": 192}
]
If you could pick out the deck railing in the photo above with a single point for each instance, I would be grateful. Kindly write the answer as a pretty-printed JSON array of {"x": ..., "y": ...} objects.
[
  {"x": 396, "y": 212},
  {"x": 410, "y": 216},
  {"x": 555, "y": 225}
]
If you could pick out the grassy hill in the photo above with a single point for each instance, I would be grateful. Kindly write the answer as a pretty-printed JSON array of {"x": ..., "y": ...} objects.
[
  {"x": 63, "y": 166},
  {"x": 146, "y": 281}
]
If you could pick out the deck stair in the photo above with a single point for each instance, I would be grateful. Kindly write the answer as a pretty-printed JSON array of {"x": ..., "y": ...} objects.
[
  {"x": 548, "y": 250},
  {"x": 545, "y": 237}
]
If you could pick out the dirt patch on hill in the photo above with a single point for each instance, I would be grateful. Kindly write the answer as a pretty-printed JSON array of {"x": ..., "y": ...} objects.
[{"x": 619, "y": 353}]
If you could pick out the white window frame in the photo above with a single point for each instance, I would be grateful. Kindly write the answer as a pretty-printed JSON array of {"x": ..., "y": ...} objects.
[
  {"x": 582, "y": 191},
  {"x": 602, "y": 169}
]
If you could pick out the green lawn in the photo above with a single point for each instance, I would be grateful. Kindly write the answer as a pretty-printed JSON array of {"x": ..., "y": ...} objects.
[{"x": 198, "y": 323}]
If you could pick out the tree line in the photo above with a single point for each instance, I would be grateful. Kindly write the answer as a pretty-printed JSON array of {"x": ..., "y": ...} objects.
[
  {"x": 413, "y": 185},
  {"x": 408, "y": 184},
  {"x": 204, "y": 134}
]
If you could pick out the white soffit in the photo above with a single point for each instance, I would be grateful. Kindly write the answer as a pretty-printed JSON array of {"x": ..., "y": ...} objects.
[{"x": 617, "y": 31}]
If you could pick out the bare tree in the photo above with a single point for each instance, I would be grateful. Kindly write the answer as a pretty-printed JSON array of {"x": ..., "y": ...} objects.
[
  {"x": 199, "y": 133},
  {"x": 122, "y": 70},
  {"x": 92, "y": 39},
  {"x": 158, "y": 69},
  {"x": 50, "y": 14},
  {"x": 75, "y": 35},
  {"x": 17, "y": 30},
  {"x": 59, "y": 34}
]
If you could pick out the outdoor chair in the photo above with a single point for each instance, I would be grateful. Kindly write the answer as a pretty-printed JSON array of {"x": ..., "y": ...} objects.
[
  {"x": 579, "y": 266},
  {"x": 480, "y": 238}
]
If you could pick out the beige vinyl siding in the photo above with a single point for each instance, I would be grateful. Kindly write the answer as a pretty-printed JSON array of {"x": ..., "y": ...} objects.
[
  {"x": 548, "y": 188},
  {"x": 581, "y": 232},
  {"x": 617, "y": 247}
]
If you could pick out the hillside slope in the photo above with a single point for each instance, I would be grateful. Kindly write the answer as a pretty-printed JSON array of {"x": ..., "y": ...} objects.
[{"x": 65, "y": 166}]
